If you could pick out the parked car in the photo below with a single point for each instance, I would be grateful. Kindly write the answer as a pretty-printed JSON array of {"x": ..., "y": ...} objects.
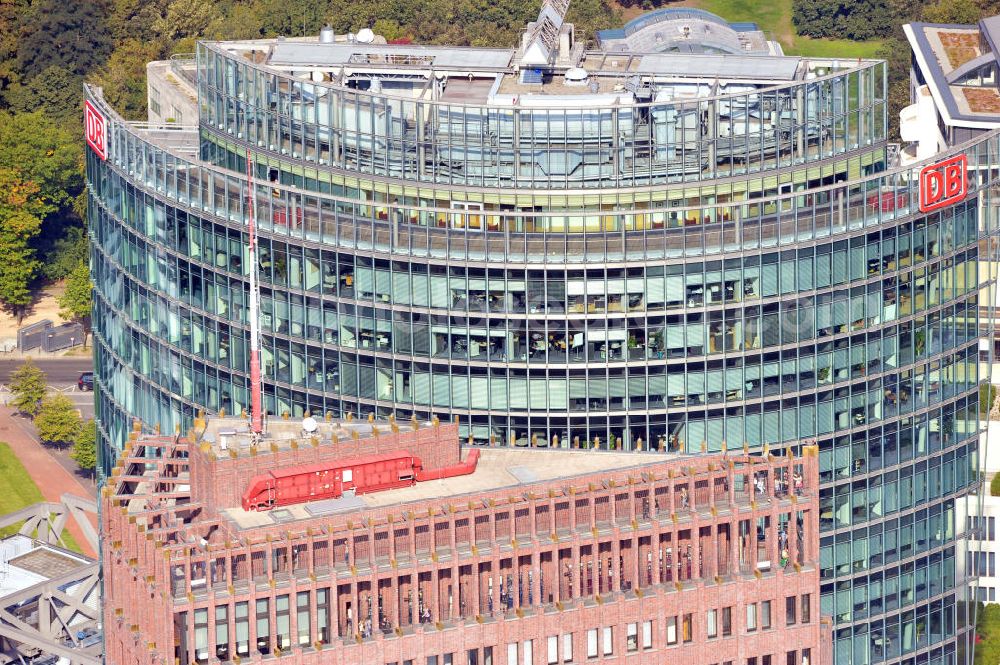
[{"x": 86, "y": 381}]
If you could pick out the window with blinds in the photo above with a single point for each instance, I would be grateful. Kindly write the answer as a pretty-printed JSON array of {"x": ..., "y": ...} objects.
[
  {"x": 518, "y": 398},
  {"x": 242, "y": 629},
  {"x": 421, "y": 387},
  {"x": 556, "y": 391},
  {"x": 460, "y": 391},
  {"x": 498, "y": 392},
  {"x": 479, "y": 392},
  {"x": 442, "y": 390},
  {"x": 772, "y": 427},
  {"x": 440, "y": 297},
  {"x": 401, "y": 288}
]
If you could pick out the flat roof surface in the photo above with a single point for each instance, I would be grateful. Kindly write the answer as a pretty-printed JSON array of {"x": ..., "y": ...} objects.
[
  {"x": 25, "y": 563},
  {"x": 316, "y": 54},
  {"x": 752, "y": 67},
  {"x": 47, "y": 562},
  {"x": 498, "y": 468}
]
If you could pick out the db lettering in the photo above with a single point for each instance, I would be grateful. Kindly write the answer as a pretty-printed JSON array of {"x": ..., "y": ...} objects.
[
  {"x": 95, "y": 129},
  {"x": 943, "y": 184}
]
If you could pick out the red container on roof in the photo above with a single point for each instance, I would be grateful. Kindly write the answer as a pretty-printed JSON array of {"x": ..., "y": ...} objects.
[{"x": 371, "y": 473}]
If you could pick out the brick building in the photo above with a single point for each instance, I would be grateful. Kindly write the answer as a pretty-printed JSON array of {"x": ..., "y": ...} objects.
[{"x": 538, "y": 557}]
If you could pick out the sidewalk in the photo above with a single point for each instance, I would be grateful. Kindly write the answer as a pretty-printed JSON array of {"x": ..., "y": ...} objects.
[{"x": 52, "y": 479}]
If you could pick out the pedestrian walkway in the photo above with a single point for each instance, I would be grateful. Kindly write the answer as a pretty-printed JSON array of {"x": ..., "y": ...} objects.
[{"x": 51, "y": 477}]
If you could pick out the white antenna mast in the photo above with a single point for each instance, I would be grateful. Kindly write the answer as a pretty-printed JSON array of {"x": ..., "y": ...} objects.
[{"x": 256, "y": 398}]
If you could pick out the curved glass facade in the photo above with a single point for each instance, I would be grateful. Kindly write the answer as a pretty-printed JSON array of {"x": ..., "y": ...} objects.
[{"x": 635, "y": 278}]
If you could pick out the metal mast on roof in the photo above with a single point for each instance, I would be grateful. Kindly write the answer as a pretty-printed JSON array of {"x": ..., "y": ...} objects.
[{"x": 256, "y": 398}]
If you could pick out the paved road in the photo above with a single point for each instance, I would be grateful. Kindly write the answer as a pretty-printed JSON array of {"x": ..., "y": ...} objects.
[
  {"x": 60, "y": 371},
  {"x": 84, "y": 402}
]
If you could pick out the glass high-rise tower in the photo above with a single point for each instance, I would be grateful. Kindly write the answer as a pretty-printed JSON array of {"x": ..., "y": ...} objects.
[{"x": 679, "y": 240}]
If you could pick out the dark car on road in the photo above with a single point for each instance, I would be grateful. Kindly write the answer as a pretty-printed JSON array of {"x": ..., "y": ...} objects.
[{"x": 86, "y": 381}]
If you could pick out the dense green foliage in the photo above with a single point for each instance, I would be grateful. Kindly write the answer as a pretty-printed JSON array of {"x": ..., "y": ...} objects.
[
  {"x": 57, "y": 420},
  {"x": 40, "y": 179},
  {"x": 995, "y": 487},
  {"x": 854, "y": 19},
  {"x": 27, "y": 387},
  {"x": 988, "y": 628},
  {"x": 76, "y": 301},
  {"x": 987, "y": 395},
  {"x": 877, "y": 19},
  {"x": 84, "y": 451}
]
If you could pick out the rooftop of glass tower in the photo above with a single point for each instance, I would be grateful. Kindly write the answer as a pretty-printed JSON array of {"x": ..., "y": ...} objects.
[{"x": 660, "y": 56}]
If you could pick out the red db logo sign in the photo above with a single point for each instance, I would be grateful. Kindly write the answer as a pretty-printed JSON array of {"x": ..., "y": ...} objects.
[
  {"x": 96, "y": 130},
  {"x": 943, "y": 183}
]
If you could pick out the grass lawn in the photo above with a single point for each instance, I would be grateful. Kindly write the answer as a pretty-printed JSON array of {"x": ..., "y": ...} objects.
[
  {"x": 17, "y": 491},
  {"x": 775, "y": 17}
]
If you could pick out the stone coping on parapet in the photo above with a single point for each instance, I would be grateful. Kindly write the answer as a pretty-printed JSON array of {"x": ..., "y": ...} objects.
[{"x": 231, "y": 436}]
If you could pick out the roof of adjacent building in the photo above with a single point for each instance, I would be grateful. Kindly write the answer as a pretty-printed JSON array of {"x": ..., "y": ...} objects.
[
  {"x": 687, "y": 30},
  {"x": 25, "y": 562},
  {"x": 950, "y": 58}
]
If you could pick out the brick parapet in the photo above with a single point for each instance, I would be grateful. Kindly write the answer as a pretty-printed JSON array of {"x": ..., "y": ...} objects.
[{"x": 218, "y": 478}]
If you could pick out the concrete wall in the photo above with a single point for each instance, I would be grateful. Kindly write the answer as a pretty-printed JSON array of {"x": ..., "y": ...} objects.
[{"x": 170, "y": 97}]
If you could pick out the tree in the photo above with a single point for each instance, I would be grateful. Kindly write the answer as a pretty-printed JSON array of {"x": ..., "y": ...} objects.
[
  {"x": 134, "y": 20},
  {"x": 280, "y": 17},
  {"x": 71, "y": 35},
  {"x": 988, "y": 628},
  {"x": 9, "y": 11},
  {"x": 64, "y": 254},
  {"x": 39, "y": 182},
  {"x": 84, "y": 451},
  {"x": 853, "y": 19},
  {"x": 76, "y": 301},
  {"x": 17, "y": 270},
  {"x": 123, "y": 77},
  {"x": 57, "y": 420},
  {"x": 56, "y": 91},
  {"x": 187, "y": 18},
  {"x": 17, "y": 227},
  {"x": 963, "y": 12},
  {"x": 42, "y": 151},
  {"x": 27, "y": 385}
]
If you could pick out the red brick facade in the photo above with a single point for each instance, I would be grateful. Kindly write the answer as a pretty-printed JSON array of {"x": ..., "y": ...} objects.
[{"x": 632, "y": 566}]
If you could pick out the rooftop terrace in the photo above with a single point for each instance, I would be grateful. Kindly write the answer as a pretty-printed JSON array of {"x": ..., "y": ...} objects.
[{"x": 498, "y": 468}]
